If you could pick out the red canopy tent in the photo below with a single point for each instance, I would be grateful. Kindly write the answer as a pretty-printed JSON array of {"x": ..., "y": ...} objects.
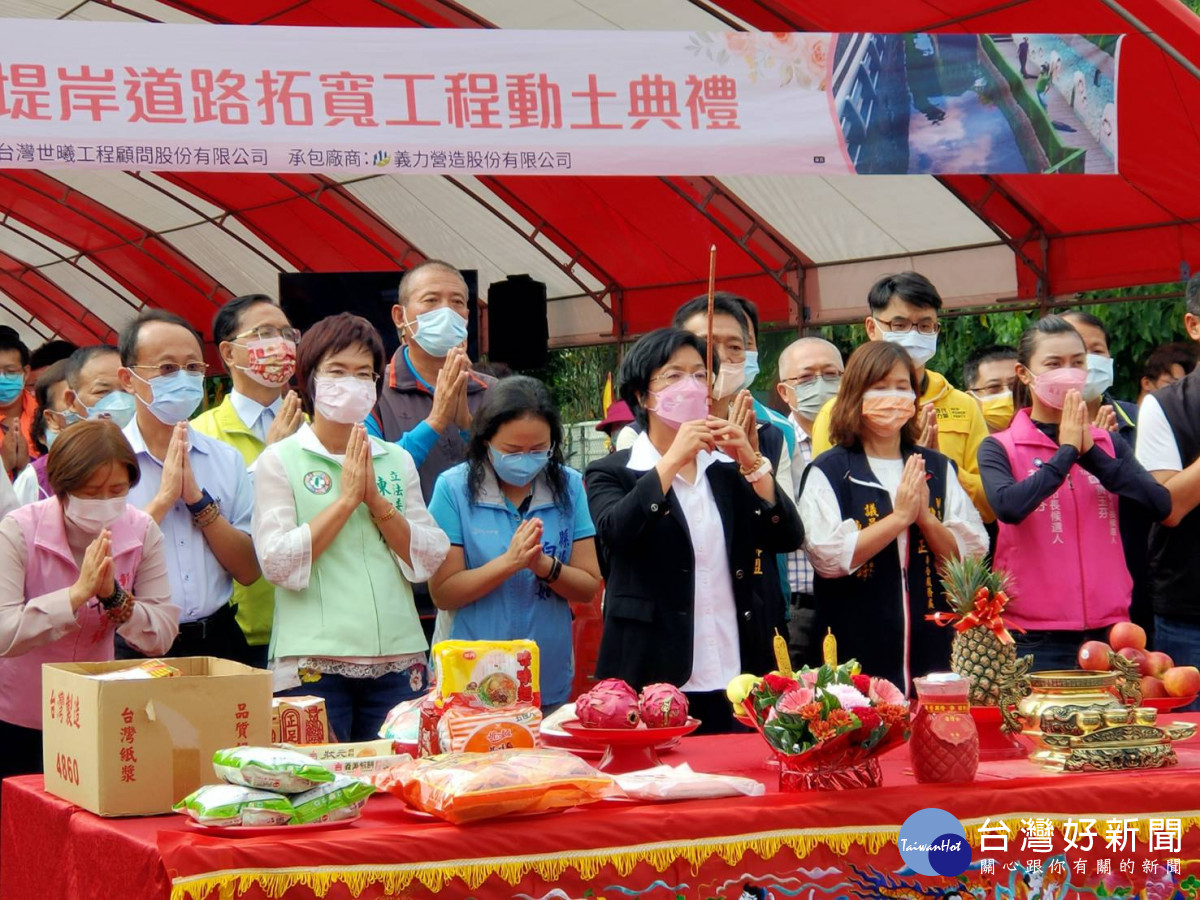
[{"x": 637, "y": 245}]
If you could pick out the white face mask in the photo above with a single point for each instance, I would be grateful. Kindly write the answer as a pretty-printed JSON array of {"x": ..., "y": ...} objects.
[
  {"x": 346, "y": 400},
  {"x": 921, "y": 347},
  {"x": 92, "y": 516},
  {"x": 730, "y": 378},
  {"x": 1099, "y": 376}
]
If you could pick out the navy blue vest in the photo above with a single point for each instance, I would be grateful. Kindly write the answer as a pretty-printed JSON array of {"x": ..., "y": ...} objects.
[{"x": 864, "y": 608}]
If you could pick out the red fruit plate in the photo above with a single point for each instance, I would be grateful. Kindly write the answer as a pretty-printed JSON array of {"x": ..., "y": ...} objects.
[
  {"x": 629, "y": 749},
  {"x": 1165, "y": 704}
]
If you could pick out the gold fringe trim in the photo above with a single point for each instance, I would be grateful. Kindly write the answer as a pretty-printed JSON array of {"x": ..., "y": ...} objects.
[{"x": 435, "y": 875}]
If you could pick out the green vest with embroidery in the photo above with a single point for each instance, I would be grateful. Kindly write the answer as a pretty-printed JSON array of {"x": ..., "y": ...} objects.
[{"x": 357, "y": 603}]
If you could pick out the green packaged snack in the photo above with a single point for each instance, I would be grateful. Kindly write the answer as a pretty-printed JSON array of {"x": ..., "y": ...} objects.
[
  {"x": 220, "y": 805},
  {"x": 270, "y": 769},
  {"x": 340, "y": 799}
]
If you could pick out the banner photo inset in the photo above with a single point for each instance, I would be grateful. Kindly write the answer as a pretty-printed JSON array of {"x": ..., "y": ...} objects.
[{"x": 496, "y": 102}]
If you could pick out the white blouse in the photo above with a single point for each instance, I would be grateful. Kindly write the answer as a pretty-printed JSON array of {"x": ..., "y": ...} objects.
[{"x": 830, "y": 540}]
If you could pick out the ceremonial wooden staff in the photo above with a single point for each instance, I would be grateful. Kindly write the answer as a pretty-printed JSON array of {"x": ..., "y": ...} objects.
[{"x": 708, "y": 344}]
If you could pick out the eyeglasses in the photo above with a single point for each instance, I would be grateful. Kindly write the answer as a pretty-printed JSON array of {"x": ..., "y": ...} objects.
[
  {"x": 802, "y": 380},
  {"x": 675, "y": 376},
  {"x": 270, "y": 332},
  {"x": 903, "y": 326},
  {"x": 166, "y": 369},
  {"x": 341, "y": 373}
]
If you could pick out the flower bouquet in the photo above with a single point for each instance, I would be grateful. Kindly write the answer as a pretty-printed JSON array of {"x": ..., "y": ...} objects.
[{"x": 828, "y": 726}]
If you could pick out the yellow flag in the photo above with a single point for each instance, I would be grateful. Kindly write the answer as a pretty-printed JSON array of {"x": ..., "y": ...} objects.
[{"x": 607, "y": 400}]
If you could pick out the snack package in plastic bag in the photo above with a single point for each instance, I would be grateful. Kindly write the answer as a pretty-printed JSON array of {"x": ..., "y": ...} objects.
[
  {"x": 342, "y": 798},
  {"x": 488, "y": 674},
  {"x": 467, "y": 787},
  {"x": 465, "y": 729},
  {"x": 681, "y": 783},
  {"x": 222, "y": 805},
  {"x": 270, "y": 769},
  {"x": 404, "y": 722}
]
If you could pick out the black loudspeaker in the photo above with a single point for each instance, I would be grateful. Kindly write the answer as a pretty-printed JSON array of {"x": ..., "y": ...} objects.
[
  {"x": 518, "y": 333},
  {"x": 308, "y": 297}
]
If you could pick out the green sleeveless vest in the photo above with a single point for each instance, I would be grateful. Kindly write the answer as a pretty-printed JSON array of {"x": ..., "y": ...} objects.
[{"x": 357, "y": 602}]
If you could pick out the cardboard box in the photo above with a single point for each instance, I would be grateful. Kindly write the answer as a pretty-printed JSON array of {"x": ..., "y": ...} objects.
[
  {"x": 134, "y": 748},
  {"x": 299, "y": 720}
]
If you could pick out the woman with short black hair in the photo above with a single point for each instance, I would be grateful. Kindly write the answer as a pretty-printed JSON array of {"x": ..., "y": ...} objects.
[
  {"x": 342, "y": 532},
  {"x": 521, "y": 540},
  {"x": 681, "y": 516}
]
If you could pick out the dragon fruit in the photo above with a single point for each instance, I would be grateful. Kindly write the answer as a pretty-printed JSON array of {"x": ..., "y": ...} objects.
[
  {"x": 610, "y": 704},
  {"x": 663, "y": 706}
]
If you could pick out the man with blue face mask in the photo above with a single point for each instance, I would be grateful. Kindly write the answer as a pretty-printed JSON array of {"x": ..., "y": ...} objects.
[
  {"x": 810, "y": 371},
  {"x": 195, "y": 487},
  {"x": 903, "y": 309},
  {"x": 430, "y": 392},
  {"x": 17, "y": 404}
]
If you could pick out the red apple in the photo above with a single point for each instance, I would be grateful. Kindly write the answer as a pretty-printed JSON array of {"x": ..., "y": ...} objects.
[
  {"x": 1093, "y": 655},
  {"x": 1158, "y": 662},
  {"x": 1126, "y": 634},
  {"x": 1135, "y": 656},
  {"x": 1182, "y": 681},
  {"x": 1152, "y": 687}
]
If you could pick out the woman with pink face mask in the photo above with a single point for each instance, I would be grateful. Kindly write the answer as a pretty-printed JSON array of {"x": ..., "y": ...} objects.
[
  {"x": 342, "y": 531},
  {"x": 681, "y": 518},
  {"x": 880, "y": 513},
  {"x": 1054, "y": 481},
  {"x": 75, "y": 569}
]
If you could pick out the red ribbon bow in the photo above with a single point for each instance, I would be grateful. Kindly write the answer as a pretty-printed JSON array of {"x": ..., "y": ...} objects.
[{"x": 986, "y": 614}]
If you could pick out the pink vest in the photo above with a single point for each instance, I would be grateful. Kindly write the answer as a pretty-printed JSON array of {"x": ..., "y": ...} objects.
[
  {"x": 1066, "y": 559},
  {"x": 49, "y": 567}
]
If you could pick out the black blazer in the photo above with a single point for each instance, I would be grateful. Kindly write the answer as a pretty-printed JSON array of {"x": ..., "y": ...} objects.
[{"x": 648, "y": 562}]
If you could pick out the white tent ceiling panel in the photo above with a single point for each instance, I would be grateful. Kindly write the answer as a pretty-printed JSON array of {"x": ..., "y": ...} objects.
[
  {"x": 205, "y": 208},
  {"x": 111, "y": 283},
  {"x": 106, "y": 304},
  {"x": 577, "y": 320},
  {"x": 159, "y": 11},
  {"x": 446, "y": 223},
  {"x": 33, "y": 333},
  {"x": 235, "y": 226},
  {"x": 16, "y": 244},
  {"x": 62, "y": 250},
  {"x": 975, "y": 276},
  {"x": 840, "y": 219},
  {"x": 234, "y": 265},
  {"x": 99, "y": 12},
  {"x": 36, "y": 9},
  {"x": 140, "y": 202}
]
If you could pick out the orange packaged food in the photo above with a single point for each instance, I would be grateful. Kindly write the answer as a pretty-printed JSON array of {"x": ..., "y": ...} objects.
[
  {"x": 467, "y": 787},
  {"x": 463, "y": 729}
]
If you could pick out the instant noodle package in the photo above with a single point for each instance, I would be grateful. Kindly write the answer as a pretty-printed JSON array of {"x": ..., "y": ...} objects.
[
  {"x": 486, "y": 674},
  {"x": 467, "y": 787}
]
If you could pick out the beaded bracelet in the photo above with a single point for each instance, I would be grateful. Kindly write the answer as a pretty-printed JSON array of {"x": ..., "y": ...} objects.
[
  {"x": 207, "y": 515},
  {"x": 391, "y": 511}
]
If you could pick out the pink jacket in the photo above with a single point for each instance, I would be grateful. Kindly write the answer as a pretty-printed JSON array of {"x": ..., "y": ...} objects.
[
  {"x": 41, "y": 628},
  {"x": 1066, "y": 559}
]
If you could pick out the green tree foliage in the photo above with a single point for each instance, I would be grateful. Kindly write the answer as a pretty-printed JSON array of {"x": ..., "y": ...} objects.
[{"x": 576, "y": 378}]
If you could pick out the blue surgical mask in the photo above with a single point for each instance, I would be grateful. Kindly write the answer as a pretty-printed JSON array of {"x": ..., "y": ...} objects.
[
  {"x": 176, "y": 396},
  {"x": 920, "y": 347},
  {"x": 11, "y": 387},
  {"x": 118, "y": 407},
  {"x": 48, "y": 438},
  {"x": 440, "y": 330},
  {"x": 1099, "y": 376},
  {"x": 807, "y": 399},
  {"x": 518, "y": 469},
  {"x": 751, "y": 371}
]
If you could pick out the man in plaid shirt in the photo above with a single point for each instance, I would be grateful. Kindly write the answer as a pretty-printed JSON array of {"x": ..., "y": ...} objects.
[{"x": 810, "y": 371}]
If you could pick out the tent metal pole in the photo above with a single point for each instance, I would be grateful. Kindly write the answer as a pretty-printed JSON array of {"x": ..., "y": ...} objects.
[{"x": 1142, "y": 28}]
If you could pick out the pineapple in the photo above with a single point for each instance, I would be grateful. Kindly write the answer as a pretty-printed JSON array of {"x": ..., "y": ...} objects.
[{"x": 977, "y": 654}]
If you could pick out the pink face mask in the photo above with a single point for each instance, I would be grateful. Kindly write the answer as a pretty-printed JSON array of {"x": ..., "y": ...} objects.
[
  {"x": 684, "y": 401},
  {"x": 888, "y": 410},
  {"x": 272, "y": 361},
  {"x": 1052, "y": 387}
]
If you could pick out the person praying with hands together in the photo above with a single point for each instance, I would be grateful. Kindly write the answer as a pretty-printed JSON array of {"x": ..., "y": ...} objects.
[
  {"x": 680, "y": 517},
  {"x": 342, "y": 532},
  {"x": 196, "y": 488},
  {"x": 880, "y": 513},
  {"x": 258, "y": 346},
  {"x": 76, "y": 569},
  {"x": 1054, "y": 479},
  {"x": 522, "y": 541}
]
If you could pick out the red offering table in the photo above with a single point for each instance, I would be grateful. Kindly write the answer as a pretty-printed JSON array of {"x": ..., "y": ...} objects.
[{"x": 826, "y": 845}]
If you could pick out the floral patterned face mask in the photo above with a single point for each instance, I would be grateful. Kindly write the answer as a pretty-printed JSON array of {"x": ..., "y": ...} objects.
[{"x": 272, "y": 361}]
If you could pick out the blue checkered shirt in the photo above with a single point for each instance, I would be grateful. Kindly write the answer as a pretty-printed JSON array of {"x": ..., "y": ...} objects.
[{"x": 799, "y": 569}]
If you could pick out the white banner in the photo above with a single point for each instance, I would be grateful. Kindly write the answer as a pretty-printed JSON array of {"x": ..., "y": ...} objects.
[{"x": 270, "y": 99}]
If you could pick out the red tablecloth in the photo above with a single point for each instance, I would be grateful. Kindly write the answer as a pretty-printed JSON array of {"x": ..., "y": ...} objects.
[{"x": 711, "y": 848}]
